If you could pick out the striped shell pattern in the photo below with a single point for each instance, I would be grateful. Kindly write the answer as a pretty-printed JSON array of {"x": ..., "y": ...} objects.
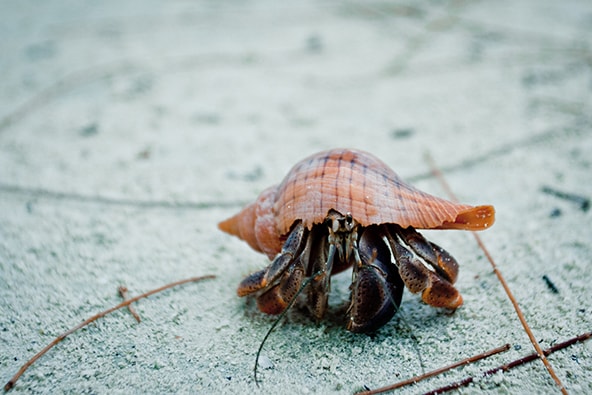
[{"x": 348, "y": 181}]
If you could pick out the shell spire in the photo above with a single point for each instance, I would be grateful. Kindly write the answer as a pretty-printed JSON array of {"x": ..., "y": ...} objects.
[
  {"x": 255, "y": 224},
  {"x": 242, "y": 225}
]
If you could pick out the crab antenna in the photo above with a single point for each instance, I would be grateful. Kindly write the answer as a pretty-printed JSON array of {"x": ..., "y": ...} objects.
[{"x": 275, "y": 323}]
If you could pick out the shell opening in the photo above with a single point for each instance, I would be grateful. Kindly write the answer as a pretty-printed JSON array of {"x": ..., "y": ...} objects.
[{"x": 474, "y": 218}]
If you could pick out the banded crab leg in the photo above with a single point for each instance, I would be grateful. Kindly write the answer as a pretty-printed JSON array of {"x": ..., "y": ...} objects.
[
  {"x": 304, "y": 254},
  {"x": 425, "y": 267},
  {"x": 435, "y": 255},
  {"x": 279, "y": 282},
  {"x": 320, "y": 264}
]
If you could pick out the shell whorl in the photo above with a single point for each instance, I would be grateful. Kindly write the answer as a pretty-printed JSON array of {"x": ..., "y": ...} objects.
[
  {"x": 255, "y": 224},
  {"x": 348, "y": 181},
  {"x": 356, "y": 182}
]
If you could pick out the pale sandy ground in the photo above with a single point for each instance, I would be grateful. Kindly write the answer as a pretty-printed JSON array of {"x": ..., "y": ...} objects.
[{"x": 129, "y": 129}]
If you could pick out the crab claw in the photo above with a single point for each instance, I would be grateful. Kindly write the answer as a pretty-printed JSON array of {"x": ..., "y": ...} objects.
[{"x": 377, "y": 288}]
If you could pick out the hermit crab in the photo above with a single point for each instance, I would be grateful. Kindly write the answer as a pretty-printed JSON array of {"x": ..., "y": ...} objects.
[{"x": 345, "y": 208}]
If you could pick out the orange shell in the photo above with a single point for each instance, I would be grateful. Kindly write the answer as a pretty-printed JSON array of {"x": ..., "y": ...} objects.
[{"x": 349, "y": 181}]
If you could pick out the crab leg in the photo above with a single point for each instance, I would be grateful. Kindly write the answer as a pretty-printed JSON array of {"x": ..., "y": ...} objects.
[
  {"x": 433, "y": 254},
  {"x": 377, "y": 287},
  {"x": 422, "y": 275},
  {"x": 278, "y": 297},
  {"x": 320, "y": 267},
  {"x": 279, "y": 281}
]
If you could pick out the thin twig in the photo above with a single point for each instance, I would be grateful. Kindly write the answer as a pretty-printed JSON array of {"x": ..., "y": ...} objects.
[
  {"x": 438, "y": 174},
  {"x": 10, "y": 384},
  {"x": 513, "y": 364},
  {"x": 436, "y": 372},
  {"x": 123, "y": 293},
  {"x": 527, "y": 329}
]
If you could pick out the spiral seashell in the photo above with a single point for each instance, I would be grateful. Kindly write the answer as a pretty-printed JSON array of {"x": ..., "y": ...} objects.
[{"x": 348, "y": 181}]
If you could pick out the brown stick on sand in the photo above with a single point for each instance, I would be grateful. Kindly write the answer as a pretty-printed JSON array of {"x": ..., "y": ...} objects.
[{"x": 95, "y": 317}]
